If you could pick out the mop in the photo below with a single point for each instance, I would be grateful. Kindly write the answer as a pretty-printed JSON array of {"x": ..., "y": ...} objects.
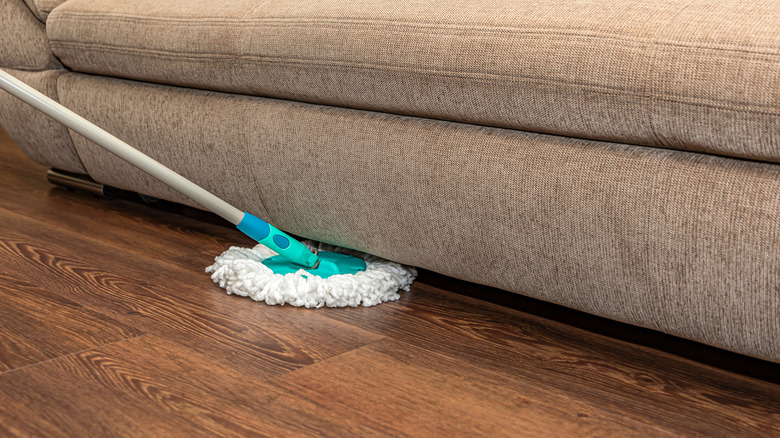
[{"x": 280, "y": 269}]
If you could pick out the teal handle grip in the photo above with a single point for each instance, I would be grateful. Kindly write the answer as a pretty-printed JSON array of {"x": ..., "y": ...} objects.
[{"x": 277, "y": 240}]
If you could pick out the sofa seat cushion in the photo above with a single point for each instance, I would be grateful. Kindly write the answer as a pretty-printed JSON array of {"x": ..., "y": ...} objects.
[
  {"x": 697, "y": 75},
  {"x": 42, "y": 8},
  {"x": 40, "y": 137},
  {"x": 23, "y": 42}
]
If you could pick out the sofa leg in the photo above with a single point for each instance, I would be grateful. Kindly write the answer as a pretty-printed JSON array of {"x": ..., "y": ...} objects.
[{"x": 75, "y": 181}]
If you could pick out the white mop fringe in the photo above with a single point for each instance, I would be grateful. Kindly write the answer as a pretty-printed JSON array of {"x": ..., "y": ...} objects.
[{"x": 240, "y": 271}]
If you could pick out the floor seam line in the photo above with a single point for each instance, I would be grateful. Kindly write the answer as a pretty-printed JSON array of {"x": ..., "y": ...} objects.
[{"x": 97, "y": 347}]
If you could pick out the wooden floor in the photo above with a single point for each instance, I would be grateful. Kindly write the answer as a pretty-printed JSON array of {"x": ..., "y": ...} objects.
[{"x": 109, "y": 326}]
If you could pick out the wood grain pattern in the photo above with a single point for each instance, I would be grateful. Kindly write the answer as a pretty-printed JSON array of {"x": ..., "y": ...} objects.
[
  {"x": 158, "y": 297},
  {"x": 38, "y": 325},
  {"x": 165, "y": 388},
  {"x": 59, "y": 399},
  {"x": 110, "y": 327},
  {"x": 383, "y": 389},
  {"x": 615, "y": 376},
  {"x": 393, "y": 389}
]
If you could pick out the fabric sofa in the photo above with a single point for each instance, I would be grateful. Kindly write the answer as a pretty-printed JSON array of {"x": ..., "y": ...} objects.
[{"x": 617, "y": 157}]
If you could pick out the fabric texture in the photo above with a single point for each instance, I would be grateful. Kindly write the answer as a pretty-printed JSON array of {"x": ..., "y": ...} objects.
[
  {"x": 23, "y": 42},
  {"x": 42, "y": 8},
  {"x": 40, "y": 137},
  {"x": 146, "y": 117},
  {"x": 692, "y": 75},
  {"x": 679, "y": 242}
]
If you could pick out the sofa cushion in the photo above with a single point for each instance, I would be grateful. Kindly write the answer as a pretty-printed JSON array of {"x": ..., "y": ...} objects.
[
  {"x": 42, "y": 8},
  {"x": 213, "y": 156},
  {"x": 38, "y": 135},
  {"x": 23, "y": 43},
  {"x": 675, "y": 241},
  {"x": 700, "y": 75}
]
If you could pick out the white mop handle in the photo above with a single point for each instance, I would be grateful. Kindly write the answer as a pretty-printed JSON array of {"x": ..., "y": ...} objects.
[{"x": 118, "y": 147}]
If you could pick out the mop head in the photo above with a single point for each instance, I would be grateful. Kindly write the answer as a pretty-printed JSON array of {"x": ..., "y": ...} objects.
[{"x": 240, "y": 271}]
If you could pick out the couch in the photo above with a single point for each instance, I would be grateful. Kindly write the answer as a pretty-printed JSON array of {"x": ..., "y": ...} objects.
[{"x": 616, "y": 157}]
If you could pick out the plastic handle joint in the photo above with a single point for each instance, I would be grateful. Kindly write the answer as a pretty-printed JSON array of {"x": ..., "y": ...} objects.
[{"x": 277, "y": 240}]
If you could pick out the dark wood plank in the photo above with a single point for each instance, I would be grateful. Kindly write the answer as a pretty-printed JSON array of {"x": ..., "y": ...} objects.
[
  {"x": 383, "y": 389},
  {"x": 37, "y": 325},
  {"x": 615, "y": 376},
  {"x": 395, "y": 389},
  {"x": 75, "y": 396},
  {"x": 154, "y": 386},
  {"x": 163, "y": 298}
]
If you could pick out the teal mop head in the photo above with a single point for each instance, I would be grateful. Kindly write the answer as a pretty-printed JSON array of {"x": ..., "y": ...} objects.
[
  {"x": 293, "y": 255},
  {"x": 251, "y": 272}
]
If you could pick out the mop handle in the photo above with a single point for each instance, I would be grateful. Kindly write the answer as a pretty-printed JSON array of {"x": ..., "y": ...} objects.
[{"x": 254, "y": 227}]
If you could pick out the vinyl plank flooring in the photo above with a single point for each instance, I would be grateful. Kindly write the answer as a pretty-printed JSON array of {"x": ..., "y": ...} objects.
[
  {"x": 382, "y": 389},
  {"x": 396, "y": 389},
  {"x": 38, "y": 325},
  {"x": 163, "y": 298},
  {"x": 156, "y": 388},
  {"x": 198, "y": 394},
  {"x": 626, "y": 379}
]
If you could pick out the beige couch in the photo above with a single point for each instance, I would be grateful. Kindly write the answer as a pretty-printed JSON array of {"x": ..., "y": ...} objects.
[{"x": 617, "y": 157}]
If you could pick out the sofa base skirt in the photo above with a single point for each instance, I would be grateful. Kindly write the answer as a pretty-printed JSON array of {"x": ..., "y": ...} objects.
[
  {"x": 40, "y": 137},
  {"x": 679, "y": 242}
]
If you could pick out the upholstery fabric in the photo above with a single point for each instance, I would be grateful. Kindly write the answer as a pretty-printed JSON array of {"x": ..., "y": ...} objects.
[
  {"x": 680, "y": 242},
  {"x": 23, "y": 42},
  {"x": 143, "y": 116},
  {"x": 42, "y": 8},
  {"x": 40, "y": 137},
  {"x": 683, "y": 74}
]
